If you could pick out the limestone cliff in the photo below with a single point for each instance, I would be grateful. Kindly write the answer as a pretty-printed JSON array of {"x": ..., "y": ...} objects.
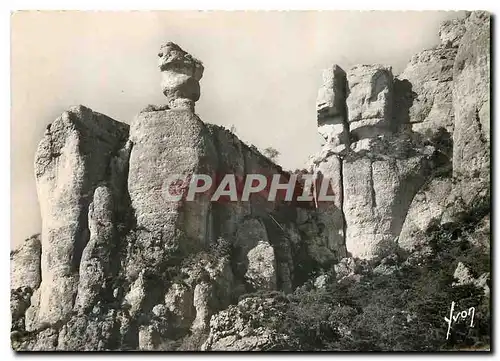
[{"x": 119, "y": 265}]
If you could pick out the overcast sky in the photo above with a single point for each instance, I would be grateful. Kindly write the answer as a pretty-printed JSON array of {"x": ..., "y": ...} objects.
[{"x": 262, "y": 72}]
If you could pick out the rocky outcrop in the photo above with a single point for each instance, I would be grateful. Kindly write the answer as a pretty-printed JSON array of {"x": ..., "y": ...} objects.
[
  {"x": 25, "y": 263},
  {"x": 329, "y": 214},
  {"x": 376, "y": 175},
  {"x": 25, "y": 278},
  {"x": 261, "y": 271},
  {"x": 430, "y": 75},
  {"x": 401, "y": 133},
  {"x": 331, "y": 108},
  {"x": 369, "y": 103},
  {"x": 73, "y": 158},
  {"x": 451, "y": 32},
  {"x": 471, "y": 103},
  {"x": 463, "y": 276},
  {"x": 127, "y": 257},
  {"x": 467, "y": 118},
  {"x": 184, "y": 145},
  {"x": 350, "y": 269},
  {"x": 247, "y": 326},
  {"x": 428, "y": 206},
  {"x": 377, "y": 195}
]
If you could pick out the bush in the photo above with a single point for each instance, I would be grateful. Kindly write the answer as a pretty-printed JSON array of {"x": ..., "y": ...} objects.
[{"x": 271, "y": 153}]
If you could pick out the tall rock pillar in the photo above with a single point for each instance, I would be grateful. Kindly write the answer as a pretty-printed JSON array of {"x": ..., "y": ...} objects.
[
  {"x": 171, "y": 140},
  {"x": 72, "y": 159}
]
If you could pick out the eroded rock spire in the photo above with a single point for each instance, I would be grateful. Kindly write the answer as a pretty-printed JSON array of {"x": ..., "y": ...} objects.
[{"x": 181, "y": 74}]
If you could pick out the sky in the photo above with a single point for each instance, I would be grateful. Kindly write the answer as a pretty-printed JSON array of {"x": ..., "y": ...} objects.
[{"x": 262, "y": 72}]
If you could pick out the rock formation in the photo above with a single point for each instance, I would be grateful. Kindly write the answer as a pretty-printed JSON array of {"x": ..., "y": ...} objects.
[
  {"x": 389, "y": 139},
  {"x": 469, "y": 124},
  {"x": 181, "y": 74},
  {"x": 121, "y": 265},
  {"x": 331, "y": 107},
  {"x": 73, "y": 158},
  {"x": 379, "y": 166},
  {"x": 246, "y": 329},
  {"x": 369, "y": 101}
]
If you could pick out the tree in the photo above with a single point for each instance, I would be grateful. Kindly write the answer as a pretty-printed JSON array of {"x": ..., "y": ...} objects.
[{"x": 271, "y": 153}]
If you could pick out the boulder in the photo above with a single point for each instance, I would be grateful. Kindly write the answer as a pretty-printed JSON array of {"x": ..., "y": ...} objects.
[
  {"x": 329, "y": 212},
  {"x": 321, "y": 281},
  {"x": 261, "y": 271},
  {"x": 464, "y": 276},
  {"x": 377, "y": 195}
]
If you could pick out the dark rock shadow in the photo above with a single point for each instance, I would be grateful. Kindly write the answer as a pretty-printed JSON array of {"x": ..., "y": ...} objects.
[{"x": 403, "y": 101}]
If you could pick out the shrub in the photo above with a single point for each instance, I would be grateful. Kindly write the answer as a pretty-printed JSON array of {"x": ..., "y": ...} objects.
[{"x": 271, "y": 153}]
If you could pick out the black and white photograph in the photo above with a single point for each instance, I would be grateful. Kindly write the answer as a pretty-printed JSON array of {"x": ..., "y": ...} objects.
[{"x": 301, "y": 181}]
